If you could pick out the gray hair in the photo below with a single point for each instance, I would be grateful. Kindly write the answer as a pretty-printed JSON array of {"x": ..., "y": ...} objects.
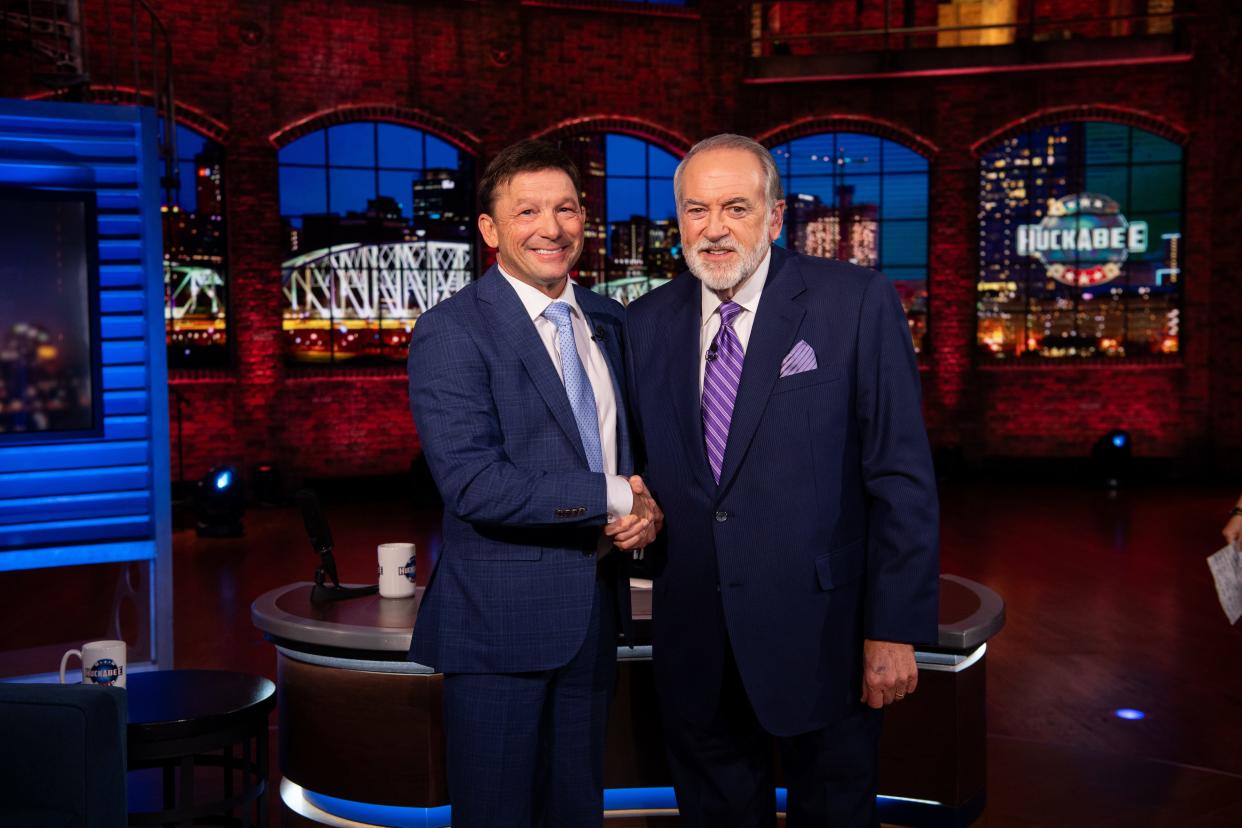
[{"x": 727, "y": 140}]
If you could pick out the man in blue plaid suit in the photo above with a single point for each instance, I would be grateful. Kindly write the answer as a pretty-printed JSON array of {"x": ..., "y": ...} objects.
[{"x": 516, "y": 388}]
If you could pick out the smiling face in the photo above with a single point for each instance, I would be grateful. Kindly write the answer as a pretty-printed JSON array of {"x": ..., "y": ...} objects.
[
  {"x": 536, "y": 225},
  {"x": 726, "y": 222}
]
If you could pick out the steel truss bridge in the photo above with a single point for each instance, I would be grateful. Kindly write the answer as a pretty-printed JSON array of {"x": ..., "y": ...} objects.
[
  {"x": 628, "y": 289},
  {"x": 188, "y": 286},
  {"x": 395, "y": 280}
]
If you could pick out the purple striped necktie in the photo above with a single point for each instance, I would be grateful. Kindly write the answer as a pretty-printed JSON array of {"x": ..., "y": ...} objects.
[{"x": 721, "y": 376}]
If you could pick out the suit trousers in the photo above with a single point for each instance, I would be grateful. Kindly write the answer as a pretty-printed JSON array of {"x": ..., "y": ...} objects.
[
  {"x": 723, "y": 769},
  {"x": 527, "y": 749}
]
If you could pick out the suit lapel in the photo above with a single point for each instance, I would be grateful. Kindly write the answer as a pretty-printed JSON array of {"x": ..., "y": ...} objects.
[
  {"x": 503, "y": 309},
  {"x": 608, "y": 337},
  {"x": 682, "y": 326},
  {"x": 776, "y": 324}
]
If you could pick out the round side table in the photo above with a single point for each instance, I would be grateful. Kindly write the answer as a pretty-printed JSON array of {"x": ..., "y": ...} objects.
[{"x": 178, "y": 718}]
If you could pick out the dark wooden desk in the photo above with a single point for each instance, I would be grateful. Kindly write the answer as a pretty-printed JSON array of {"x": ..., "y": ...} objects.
[
  {"x": 360, "y": 726},
  {"x": 178, "y": 719}
]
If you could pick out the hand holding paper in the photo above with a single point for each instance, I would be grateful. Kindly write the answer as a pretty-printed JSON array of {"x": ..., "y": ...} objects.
[{"x": 1226, "y": 566}]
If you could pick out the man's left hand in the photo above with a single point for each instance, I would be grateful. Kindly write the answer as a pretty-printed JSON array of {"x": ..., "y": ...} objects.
[{"x": 889, "y": 672}]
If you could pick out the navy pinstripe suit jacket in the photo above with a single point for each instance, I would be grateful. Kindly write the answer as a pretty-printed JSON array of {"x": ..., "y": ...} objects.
[
  {"x": 513, "y": 587},
  {"x": 823, "y": 530}
]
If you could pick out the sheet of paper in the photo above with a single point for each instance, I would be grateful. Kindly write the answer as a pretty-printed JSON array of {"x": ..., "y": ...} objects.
[{"x": 1226, "y": 566}]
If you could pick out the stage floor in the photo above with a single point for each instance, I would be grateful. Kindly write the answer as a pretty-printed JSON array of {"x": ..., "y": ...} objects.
[{"x": 1109, "y": 605}]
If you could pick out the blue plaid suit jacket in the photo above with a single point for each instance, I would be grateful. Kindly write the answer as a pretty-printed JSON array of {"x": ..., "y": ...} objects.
[
  {"x": 824, "y": 527},
  {"x": 513, "y": 587}
]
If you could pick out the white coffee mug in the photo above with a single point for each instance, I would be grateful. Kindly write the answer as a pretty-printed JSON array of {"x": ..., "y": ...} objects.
[
  {"x": 103, "y": 663},
  {"x": 396, "y": 570}
]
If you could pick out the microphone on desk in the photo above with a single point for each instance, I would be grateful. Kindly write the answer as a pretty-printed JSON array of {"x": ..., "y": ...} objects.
[{"x": 321, "y": 540}]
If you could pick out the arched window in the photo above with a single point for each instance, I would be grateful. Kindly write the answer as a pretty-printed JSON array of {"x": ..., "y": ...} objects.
[
  {"x": 863, "y": 199},
  {"x": 632, "y": 240},
  {"x": 378, "y": 222},
  {"x": 1080, "y": 227},
  {"x": 195, "y": 256}
]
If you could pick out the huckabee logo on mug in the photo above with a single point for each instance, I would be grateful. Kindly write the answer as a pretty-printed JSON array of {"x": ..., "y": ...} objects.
[{"x": 104, "y": 671}]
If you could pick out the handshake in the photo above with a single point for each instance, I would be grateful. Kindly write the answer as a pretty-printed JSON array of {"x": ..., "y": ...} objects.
[{"x": 641, "y": 525}]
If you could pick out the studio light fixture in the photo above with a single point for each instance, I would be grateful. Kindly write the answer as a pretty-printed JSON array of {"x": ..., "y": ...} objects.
[
  {"x": 1111, "y": 456},
  {"x": 219, "y": 503}
]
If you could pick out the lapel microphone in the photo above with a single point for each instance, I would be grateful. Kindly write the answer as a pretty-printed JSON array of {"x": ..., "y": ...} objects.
[
  {"x": 600, "y": 334},
  {"x": 711, "y": 352}
]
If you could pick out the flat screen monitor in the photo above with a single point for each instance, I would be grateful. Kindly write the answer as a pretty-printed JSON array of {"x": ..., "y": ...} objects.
[{"x": 50, "y": 375}]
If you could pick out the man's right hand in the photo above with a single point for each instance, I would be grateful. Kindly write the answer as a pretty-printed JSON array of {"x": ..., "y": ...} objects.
[{"x": 644, "y": 522}]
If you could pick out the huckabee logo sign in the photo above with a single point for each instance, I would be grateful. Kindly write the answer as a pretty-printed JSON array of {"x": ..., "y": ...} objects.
[{"x": 1083, "y": 240}]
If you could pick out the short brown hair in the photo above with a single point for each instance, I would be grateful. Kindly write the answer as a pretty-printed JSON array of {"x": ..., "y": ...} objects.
[{"x": 529, "y": 155}]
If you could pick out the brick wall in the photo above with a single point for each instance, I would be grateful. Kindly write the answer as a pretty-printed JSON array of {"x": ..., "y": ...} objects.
[{"x": 496, "y": 71}]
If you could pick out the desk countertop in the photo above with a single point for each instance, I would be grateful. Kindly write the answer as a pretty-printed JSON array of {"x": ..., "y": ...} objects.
[{"x": 970, "y": 614}]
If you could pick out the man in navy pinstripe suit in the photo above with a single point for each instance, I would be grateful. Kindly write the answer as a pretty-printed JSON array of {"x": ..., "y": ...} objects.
[
  {"x": 777, "y": 397},
  {"x": 516, "y": 390}
]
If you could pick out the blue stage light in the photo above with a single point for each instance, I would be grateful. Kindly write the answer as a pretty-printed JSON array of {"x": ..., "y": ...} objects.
[
  {"x": 1112, "y": 455},
  {"x": 219, "y": 503},
  {"x": 1129, "y": 713}
]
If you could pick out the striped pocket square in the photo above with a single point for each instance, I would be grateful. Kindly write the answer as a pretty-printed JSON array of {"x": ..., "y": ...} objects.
[{"x": 799, "y": 359}]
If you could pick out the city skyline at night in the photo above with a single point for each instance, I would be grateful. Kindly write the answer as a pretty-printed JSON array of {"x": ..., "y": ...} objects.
[
  {"x": 862, "y": 199},
  {"x": 632, "y": 242},
  {"x": 195, "y": 252},
  {"x": 47, "y": 377}
]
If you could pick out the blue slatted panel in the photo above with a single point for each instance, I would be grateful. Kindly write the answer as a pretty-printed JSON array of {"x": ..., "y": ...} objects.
[
  {"x": 105, "y": 499},
  {"x": 124, "y": 402},
  {"x": 121, "y": 301},
  {"x": 74, "y": 481},
  {"x": 113, "y": 226},
  {"x": 127, "y": 427},
  {"x": 124, "y": 377},
  {"x": 128, "y": 352},
  {"x": 23, "y": 510},
  {"x": 120, "y": 276},
  {"x": 82, "y": 553},
  {"x": 128, "y": 326},
  {"x": 49, "y": 532},
  {"x": 70, "y": 455}
]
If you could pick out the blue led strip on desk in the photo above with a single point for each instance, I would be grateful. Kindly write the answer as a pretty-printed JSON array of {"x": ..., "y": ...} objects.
[
  {"x": 388, "y": 815},
  {"x": 615, "y": 799}
]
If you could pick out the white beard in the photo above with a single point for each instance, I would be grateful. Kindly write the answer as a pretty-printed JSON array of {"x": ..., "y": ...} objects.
[{"x": 723, "y": 276}]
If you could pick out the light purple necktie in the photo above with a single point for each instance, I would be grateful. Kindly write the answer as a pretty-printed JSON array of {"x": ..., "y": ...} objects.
[{"x": 721, "y": 376}]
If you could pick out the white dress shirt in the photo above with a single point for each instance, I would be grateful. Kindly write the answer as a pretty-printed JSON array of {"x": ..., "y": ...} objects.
[
  {"x": 620, "y": 495},
  {"x": 747, "y": 296}
]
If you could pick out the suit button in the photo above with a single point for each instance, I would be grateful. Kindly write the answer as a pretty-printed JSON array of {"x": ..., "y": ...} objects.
[{"x": 721, "y": 517}]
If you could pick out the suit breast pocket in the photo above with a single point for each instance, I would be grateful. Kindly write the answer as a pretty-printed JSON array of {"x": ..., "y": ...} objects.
[{"x": 806, "y": 379}]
